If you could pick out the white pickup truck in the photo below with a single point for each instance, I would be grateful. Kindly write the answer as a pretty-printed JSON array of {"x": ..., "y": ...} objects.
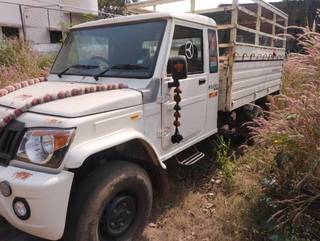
[{"x": 81, "y": 152}]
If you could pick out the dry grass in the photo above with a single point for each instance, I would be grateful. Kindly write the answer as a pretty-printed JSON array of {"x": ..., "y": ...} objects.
[
  {"x": 19, "y": 62},
  {"x": 203, "y": 208}
]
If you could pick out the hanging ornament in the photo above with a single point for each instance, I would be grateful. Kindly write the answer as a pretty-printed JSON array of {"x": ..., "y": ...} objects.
[
  {"x": 178, "y": 67},
  {"x": 177, "y": 137}
]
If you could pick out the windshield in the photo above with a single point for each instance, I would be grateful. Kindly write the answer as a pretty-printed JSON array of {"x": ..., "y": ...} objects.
[{"x": 115, "y": 51}]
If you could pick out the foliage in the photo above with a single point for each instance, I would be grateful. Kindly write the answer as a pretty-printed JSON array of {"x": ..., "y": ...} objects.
[
  {"x": 292, "y": 135},
  {"x": 225, "y": 160},
  {"x": 19, "y": 62},
  {"x": 88, "y": 17},
  {"x": 112, "y": 6}
]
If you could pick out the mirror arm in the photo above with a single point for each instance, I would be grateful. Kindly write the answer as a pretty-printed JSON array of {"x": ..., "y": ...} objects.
[{"x": 174, "y": 84}]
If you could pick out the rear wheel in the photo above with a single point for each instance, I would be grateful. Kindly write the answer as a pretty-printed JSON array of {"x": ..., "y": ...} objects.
[{"x": 112, "y": 204}]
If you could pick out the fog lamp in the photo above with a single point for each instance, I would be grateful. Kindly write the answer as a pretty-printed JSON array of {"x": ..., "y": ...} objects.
[
  {"x": 5, "y": 189},
  {"x": 21, "y": 208}
]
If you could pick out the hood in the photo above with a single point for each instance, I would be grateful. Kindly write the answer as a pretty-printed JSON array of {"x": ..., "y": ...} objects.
[{"x": 76, "y": 106}]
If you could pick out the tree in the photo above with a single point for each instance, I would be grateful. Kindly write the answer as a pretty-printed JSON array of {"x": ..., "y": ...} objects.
[{"x": 112, "y": 6}]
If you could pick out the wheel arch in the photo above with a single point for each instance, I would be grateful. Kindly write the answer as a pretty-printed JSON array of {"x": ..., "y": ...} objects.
[{"x": 129, "y": 146}]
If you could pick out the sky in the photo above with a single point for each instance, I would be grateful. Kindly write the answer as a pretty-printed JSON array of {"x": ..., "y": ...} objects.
[{"x": 184, "y": 6}]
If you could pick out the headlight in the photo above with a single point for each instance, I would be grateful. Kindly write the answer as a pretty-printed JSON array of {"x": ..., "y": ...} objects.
[{"x": 45, "y": 147}]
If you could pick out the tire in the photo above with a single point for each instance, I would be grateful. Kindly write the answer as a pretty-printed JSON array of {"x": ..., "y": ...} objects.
[{"x": 112, "y": 204}]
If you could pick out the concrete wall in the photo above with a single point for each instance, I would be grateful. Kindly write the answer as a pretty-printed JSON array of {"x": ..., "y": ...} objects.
[
  {"x": 39, "y": 18},
  {"x": 82, "y": 6},
  {"x": 9, "y": 15}
]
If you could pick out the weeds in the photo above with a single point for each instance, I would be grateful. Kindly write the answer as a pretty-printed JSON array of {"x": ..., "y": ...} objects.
[
  {"x": 225, "y": 160},
  {"x": 18, "y": 62},
  {"x": 292, "y": 136}
]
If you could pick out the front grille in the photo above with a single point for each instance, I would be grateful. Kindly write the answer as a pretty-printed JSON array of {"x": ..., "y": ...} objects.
[{"x": 10, "y": 137}]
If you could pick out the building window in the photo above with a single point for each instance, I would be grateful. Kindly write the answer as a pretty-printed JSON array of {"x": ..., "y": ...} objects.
[
  {"x": 10, "y": 32},
  {"x": 55, "y": 37}
]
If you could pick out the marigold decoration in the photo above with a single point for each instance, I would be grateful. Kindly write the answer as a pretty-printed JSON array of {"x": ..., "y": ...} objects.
[
  {"x": 50, "y": 97},
  {"x": 23, "y": 84}
]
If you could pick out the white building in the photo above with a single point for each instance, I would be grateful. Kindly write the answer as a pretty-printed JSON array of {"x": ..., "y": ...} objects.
[{"x": 42, "y": 22}]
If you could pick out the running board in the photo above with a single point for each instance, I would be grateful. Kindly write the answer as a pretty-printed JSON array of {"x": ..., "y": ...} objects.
[{"x": 189, "y": 157}]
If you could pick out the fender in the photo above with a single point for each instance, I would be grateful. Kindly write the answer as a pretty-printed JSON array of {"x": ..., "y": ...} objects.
[{"x": 79, "y": 153}]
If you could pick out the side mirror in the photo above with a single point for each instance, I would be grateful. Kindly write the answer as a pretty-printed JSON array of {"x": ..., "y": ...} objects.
[
  {"x": 179, "y": 70},
  {"x": 178, "y": 67}
]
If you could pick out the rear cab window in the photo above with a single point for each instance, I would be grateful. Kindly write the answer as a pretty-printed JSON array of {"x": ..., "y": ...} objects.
[{"x": 213, "y": 51}]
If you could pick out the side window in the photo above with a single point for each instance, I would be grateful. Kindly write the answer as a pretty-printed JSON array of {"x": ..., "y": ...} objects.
[
  {"x": 213, "y": 51},
  {"x": 189, "y": 42}
]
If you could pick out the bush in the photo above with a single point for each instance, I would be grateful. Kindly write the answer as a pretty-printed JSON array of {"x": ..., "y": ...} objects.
[
  {"x": 292, "y": 134},
  {"x": 18, "y": 62}
]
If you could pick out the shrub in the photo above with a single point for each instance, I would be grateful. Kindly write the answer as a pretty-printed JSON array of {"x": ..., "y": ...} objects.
[
  {"x": 292, "y": 131},
  {"x": 303, "y": 68},
  {"x": 18, "y": 62}
]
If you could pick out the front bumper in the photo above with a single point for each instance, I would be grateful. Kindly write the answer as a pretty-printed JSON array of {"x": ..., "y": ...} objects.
[{"x": 47, "y": 196}]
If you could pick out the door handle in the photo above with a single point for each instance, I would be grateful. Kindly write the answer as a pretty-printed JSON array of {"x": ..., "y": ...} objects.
[{"x": 202, "y": 81}]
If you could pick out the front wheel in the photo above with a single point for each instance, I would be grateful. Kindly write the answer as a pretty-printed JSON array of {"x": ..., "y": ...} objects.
[{"x": 112, "y": 204}]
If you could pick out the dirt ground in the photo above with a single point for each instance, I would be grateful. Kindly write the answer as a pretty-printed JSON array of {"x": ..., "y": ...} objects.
[{"x": 198, "y": 209}]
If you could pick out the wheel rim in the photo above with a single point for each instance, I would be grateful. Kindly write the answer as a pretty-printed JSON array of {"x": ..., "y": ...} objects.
[{"x": 118, "y": 216}]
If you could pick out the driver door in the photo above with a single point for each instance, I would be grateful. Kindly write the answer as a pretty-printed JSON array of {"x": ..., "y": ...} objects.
[{"x": 187, "y": 41}]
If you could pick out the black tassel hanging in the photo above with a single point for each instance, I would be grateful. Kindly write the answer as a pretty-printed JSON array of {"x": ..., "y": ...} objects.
[{"x": 177, "y": 137}]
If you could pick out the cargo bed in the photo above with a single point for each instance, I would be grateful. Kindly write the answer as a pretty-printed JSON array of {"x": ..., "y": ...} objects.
[{"x": 252, "y": 50}]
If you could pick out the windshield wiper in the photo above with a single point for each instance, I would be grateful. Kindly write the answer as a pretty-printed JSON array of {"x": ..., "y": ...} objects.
[
  {"x": 77, "y": 66},
  {"x": 120, "y": 66}
]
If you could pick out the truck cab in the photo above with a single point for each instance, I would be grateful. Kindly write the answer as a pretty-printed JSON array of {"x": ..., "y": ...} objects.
[{"x": 82, "y": 150}]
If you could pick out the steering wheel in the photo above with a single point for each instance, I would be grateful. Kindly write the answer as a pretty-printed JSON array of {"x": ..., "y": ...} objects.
[{"x": 100, "y": 59}]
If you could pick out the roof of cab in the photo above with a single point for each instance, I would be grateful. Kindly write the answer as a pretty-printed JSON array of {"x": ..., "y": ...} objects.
[{"x": 190, "y": 17}]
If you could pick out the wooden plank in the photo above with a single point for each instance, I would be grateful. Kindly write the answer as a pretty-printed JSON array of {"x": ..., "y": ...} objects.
[
  {"x": 262, "y": 47},
  {"x": 286, "y": 29},
  {"x": 271, "y": 8},
  {"x": 254, "y": 31},
  {"x": 258, "y": 25},
  {"x": 226, "y": 45},
  {"x": 192, "y": 6},
  {"x": 234, "y": 21},
  {"x": 274, "y": 29},
  {"x": 253, "y": 14},
  {"x": 216, "y": 10},
  {"x": 231, "y": 54},
  {"x": 226, "y": 26},
  {"x": 223, "y": 58},
  {"x": 247, "y": 11}
]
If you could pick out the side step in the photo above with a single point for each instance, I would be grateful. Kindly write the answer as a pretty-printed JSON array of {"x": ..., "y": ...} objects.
[{"x": 189, "y": 157}]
